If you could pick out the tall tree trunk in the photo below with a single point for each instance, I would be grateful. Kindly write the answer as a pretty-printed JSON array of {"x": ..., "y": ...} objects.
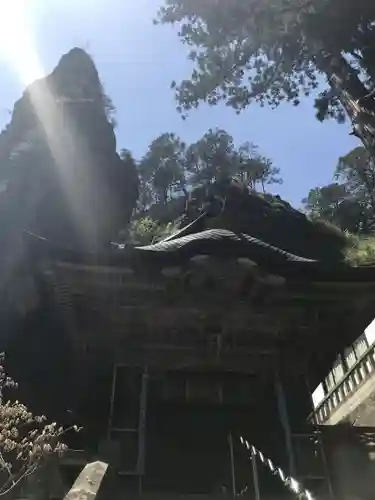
[{"x": 353, "y": 96}]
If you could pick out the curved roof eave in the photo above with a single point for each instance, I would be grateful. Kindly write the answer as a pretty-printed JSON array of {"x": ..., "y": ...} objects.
[{"x": 221, "y": 244}]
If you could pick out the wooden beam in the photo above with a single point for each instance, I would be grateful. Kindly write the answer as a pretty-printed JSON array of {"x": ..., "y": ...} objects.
[{"x": 110, "y": 270}]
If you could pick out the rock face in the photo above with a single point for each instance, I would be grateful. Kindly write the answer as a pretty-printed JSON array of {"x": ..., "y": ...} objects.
[
  {"x": 61, "y": 178},
  {"x": 60, "y": 175}
]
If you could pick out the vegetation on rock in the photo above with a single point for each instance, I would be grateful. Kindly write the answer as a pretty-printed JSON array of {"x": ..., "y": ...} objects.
[
  {"x": 233, "y": 206},
  {"x": 173, "y": 180},
  {"x": 178, "y": 180},
  {"x": 360, "y": 250},
  {"x": 145, "y": 231},
  {"x": 171, "y": 168}
]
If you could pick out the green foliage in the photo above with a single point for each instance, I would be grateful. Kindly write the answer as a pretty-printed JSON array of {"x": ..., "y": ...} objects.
[
  {"x": 144, "y": 231},
  {"x": 243, "y": 51},
  {"x": 170, "y": 168},
  {"x": 212, "y": 158},
  {"x": 108, "y": 106},
  {"x": 360, "y": 250},
  {"x": 162, "y": 168},
  {"x": 333, "y": 204},
  {"x": 349, "y": 203},
  {"x": 254, "y": 169},
  {"x": 130, "y": 167},
  {"x": 357, "y": 171},
  {"x": 275, "y": 51},
  {"x": 26, "y": 441},
  {"x": 328, "y": 105}
]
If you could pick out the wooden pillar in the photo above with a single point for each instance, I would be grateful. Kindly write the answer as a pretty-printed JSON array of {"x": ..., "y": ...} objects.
[
  {"x": 284, "y": 419},
  {"x": 142, "y": 429},
  {"x": 81, "y": 367},
  {"x": 232, "y": 464}
]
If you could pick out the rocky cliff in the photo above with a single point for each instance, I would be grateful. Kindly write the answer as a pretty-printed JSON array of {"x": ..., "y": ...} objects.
[
  {"x": 60, "y": 177},
  {"x": 60, "y": 174}
]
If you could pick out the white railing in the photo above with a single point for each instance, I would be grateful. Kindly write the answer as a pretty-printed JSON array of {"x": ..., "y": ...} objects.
[{"x": 355, "y": 378}]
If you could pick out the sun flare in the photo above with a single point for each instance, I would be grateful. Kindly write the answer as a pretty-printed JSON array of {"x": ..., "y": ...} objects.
[{"x": 17, "y": 44}]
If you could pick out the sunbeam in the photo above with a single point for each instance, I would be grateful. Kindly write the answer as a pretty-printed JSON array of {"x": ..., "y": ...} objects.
[
  {"x": 17, "y": 44},
  {"x": 71, "y": 152}
]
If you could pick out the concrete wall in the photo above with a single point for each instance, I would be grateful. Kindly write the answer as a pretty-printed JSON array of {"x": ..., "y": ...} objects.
[
  {"x": 349, "y": 453},
  {"x": 359, "y": 408}
]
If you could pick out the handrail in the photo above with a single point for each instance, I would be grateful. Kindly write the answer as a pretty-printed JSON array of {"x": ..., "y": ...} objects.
[
  {"x": 288, "y": 481},
  {"x": 351, "y": 381}
]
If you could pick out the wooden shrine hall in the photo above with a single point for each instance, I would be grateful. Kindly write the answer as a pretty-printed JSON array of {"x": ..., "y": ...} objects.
[{"x": 177, "y": 349}]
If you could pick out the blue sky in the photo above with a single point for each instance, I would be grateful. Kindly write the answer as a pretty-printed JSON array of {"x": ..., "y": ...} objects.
[{"x": 137, "y": 62}]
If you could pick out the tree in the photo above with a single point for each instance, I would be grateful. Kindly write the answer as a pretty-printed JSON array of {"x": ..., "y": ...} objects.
[
  {"x": 269, "y": 52},
  {"x": 26, "y": 441},
  {"x": 146, "y": 195},
  {"x": 212, "y": 158},
  {"x": 348, "y": 203},
  {"x": 162, "y": 169},
  {"x": 357, "y": 171},
  {"x": 131, "y": 168},
  {"x": 109, "y": 107},
  {"x": 334, "y": 204},
  {"x": 324, "y": 202},
  {"x": 170, "y": 167},
  {"x": 254, "y": 168},
  {"x": 145, "y": 230}
]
